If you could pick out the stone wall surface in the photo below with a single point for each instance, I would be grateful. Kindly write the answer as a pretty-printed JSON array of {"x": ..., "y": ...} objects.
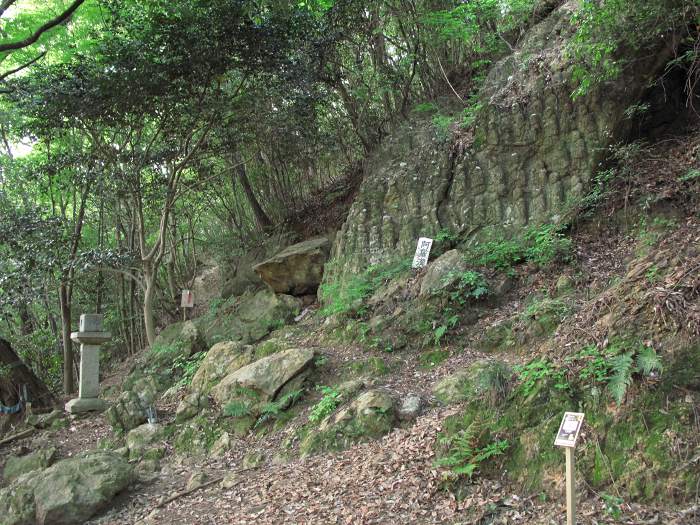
[{"x": 532, "y": 149}]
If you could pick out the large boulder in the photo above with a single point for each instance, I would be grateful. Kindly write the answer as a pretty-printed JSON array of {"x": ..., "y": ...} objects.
[
  {"x": 69, "y": 492},
  {"x": 250, "y": 318},
  {"x": 264, "y": 378},
  {"x": 178, "y": 339},
  {"x": 16, "y": 466},
  {"x": 371, "y": 415},
  {"x": 130, "y": 409},
  {"x": 443, "y": 273},
  {"x": 298, "y": 269},
  {"x": 222, "y": 359}
]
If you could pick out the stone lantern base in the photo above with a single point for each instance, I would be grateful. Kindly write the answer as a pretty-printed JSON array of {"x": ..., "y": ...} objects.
[{"x": 87, "y": 404}]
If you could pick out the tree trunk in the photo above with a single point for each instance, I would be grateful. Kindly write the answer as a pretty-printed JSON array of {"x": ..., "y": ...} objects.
[
  {"x": 148, "y": 316},
  {"x": 260, "y": 216},
  {"x": 68, "y": 383},
  {"x": 19, "y": 375}
]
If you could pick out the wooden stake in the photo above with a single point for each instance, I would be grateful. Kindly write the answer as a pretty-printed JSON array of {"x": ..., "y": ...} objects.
[{"x": 570, "y": 486}]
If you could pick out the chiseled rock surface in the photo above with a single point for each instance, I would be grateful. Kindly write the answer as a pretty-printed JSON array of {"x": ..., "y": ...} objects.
[
  {"x": 67, "y": 493},
  {"x": 298, "y": 269},
  {"x": 531, "y": 149}
]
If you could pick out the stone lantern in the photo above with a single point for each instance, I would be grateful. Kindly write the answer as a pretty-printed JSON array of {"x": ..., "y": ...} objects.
[{"x": 90, "y": 336}]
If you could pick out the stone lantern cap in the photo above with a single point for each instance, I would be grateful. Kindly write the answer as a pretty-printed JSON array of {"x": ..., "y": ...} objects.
[{"x": 90, "y": 330}]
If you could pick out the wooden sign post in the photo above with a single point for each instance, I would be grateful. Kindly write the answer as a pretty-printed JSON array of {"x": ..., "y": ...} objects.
[
  {"x": 187, "y": 301},
  {"x": 567, "y": 435}
]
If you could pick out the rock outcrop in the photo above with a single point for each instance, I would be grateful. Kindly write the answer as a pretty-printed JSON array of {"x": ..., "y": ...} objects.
[
  {"x": 296, "y": 270},
  {"x": 250, "y": 318},
  {"x": 67, "y": 493},
  {"x": 16, "y": 466},
  {"x": 371, "y": 415},
  {"x": 264, "y": 378},
  {"x": 531, "y": 150},
  {"x": 130, "y": 409}
]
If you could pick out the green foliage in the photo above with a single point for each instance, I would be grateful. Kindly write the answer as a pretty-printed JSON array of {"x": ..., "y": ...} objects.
[
  {"x": 620, "y": 375},
  {"x": 425, "y": 107},
  {"x": 547, "y": 243},
  {"x": 344, "y": 297},
  {"x": 537, "y": 370},
  {"x": 612, "y": 505},
  {"x": 692, "y": 175},
  {"x": 187, "y": 367},
  {"x": 463, "y": 453},
  {"x": 442, "y": 125},
  {"x": 274, "y": 409},
  {"x": 616, "y": 365},
  {"x": 493, "y": 382},
  {"x": 648, "y": 361},
  {"x": 237, "y": 409},
  {"x": 470, "y": 285},
  {"x": 328, "y": 403},
  {"x": 243, "y": 406},
  {"x": 602, "y": 29},
  {"x": 541, "y": 245},
  {"x": 446, "y": 235}
]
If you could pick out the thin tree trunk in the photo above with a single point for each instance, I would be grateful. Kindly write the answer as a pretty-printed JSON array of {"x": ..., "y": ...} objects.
[{"x": 261, "y": 217}]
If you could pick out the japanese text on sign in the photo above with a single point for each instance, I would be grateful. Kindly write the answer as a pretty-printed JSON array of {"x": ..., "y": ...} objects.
[
  {"x": 420, "y": 260},
  {"x": 569, "y": 429}
]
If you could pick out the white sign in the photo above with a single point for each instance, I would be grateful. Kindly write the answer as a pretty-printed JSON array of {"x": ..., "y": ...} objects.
[
  {"x": 569, "y": 429},
  {"x": 187, "y": 300},
  {"x": 420, "y": 259}
]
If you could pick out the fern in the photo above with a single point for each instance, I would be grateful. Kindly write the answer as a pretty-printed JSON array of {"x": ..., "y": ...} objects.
[
  {"x": 648, "y": 361},
  {"x": 237, "y": 409},
  {"x": 621, "y": 375}
]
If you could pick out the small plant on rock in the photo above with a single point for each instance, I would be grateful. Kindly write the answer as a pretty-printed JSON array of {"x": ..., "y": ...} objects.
[{"x": 328, "y": 403}]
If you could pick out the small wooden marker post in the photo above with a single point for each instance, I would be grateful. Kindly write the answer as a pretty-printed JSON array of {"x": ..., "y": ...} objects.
[
  {"x": 567, "y": 435},
  {"x": 186, "y": 301}
]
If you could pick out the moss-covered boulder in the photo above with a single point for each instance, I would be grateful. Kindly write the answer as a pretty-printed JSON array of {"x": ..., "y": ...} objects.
[
  {"x": 482, "y": 379},
  {"x": 249, "y": 318},
  {"x": 222, "y": 359},
  {"x": 68, "y": 493},
  {"x": 191, "y": 405},
  {"x": 178, "y": 339},
  {"x": 298, "y": 269},
  {"x": 443, "y": 273},
  {"x": 130, "y": 409},
  {"x": 143, "y": 437},
  {"x": 265, "y": 377},
  {"x": 371, "y": 415},
  {"x": 16, "y": 466}
]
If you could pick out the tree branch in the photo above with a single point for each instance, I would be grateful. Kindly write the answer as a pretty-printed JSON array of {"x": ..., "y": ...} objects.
[
  {"x": 3, "y": 76},
  {"x": 19, "y": 44}
]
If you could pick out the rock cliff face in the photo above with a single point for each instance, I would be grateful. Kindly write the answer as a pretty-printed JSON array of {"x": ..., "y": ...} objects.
[{"x": 531, "y": 150}]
